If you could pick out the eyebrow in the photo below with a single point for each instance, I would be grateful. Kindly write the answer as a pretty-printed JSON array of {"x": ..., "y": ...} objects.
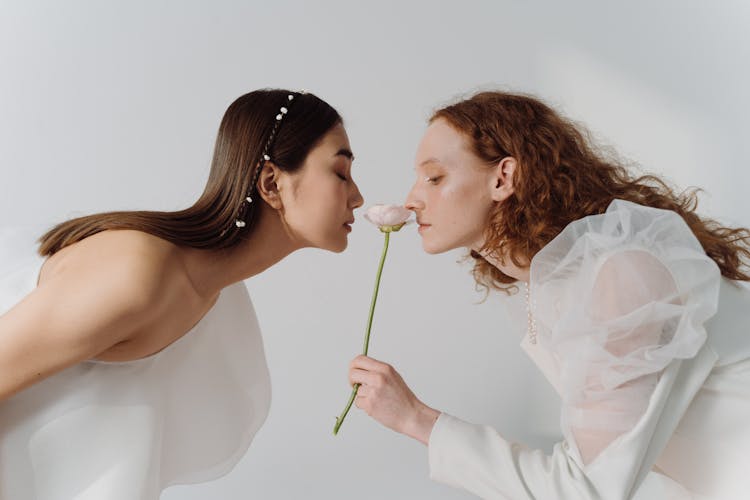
[
  {"x": 429, "y": 161},
  {"x": 346, "y": 153}
]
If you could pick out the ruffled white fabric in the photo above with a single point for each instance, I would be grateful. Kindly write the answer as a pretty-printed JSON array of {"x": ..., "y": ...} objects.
[
  {"x": 617, "y": 297},
  {"x": 653, "y": 380},
  {"x": 124, "y": 431}
]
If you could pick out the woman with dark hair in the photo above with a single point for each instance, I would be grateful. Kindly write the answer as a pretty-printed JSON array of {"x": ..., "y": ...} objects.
[
  {"x": 636, "y": 312},
  {"x": 130, "y": 354}
]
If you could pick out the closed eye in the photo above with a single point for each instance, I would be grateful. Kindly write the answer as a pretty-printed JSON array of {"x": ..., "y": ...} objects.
[{"x": 342, "y": 177}]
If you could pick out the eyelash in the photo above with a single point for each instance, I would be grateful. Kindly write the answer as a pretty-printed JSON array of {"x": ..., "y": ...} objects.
[
  {"x": 433, "y": 180},
  {"x": 342, "y": 177}
]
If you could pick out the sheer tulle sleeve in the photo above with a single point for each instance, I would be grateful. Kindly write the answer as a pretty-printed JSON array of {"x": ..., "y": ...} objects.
[
  {"x": 617, "y": 298},
  {"x": 620, "y": 299}
]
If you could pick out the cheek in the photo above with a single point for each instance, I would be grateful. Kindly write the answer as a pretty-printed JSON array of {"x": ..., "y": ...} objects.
[
  {"x": 461, "y": 203},
  {"x": 320, "y": 202}
]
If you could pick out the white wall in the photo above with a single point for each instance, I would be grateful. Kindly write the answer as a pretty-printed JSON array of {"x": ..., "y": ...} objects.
[{"x": 108, "y": 105}]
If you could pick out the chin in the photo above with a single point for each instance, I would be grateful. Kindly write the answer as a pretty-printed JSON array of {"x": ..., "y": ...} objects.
[
  {"x": 433, "y": 249},
  {"x": 337, "y": 246}
]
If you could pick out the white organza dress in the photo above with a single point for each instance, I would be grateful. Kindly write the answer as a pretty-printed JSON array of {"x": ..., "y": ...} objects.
[
  {"x": 649, "y": 349},
  {"x": 126, "y": 431}
]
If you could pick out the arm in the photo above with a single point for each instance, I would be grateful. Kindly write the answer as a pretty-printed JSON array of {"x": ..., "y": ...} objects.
[
  {"x": 74, "y": 316},
  {"x": 474, "y": 457},
  {"x": 619, "y": 289},
  {"x": 630, "y": 341},
  {"x": 610, "y": 380},
  {"x": 618, "y": 374}
]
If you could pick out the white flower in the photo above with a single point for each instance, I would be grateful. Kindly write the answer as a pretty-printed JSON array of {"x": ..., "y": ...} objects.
[{"x": 388, "y": 218}]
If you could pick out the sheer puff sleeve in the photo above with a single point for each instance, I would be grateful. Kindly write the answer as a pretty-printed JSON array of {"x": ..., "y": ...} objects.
[{"x": 619, "y": 299}]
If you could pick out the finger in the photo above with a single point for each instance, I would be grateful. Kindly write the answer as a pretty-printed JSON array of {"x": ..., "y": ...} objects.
[
  {"x": 359, "y": 401},
  {"x": 367, "y": 363},
  {"x": 362, "y": 377},
  {"x": 364, "y": 392}
]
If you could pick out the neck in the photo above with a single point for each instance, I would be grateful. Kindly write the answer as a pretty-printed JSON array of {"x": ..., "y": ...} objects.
[
  {"x": 268, "y": 243},
  {"x": 506, "y": 265}
]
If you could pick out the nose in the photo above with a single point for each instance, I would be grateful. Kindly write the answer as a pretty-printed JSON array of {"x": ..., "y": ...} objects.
[
  {"x": 356, "y": 199},
  {"x": 413, "y": 200}
]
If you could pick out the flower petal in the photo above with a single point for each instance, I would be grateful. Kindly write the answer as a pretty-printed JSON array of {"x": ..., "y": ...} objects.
[{"x": 387, "y": 215}]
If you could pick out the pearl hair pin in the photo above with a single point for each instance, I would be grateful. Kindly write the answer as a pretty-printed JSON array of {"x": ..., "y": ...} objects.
[{"x": 283, "y": 110}]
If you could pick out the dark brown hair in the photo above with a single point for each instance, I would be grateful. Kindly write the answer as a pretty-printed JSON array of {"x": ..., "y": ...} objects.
[
  {"x": 210, "y": 222},
  {"x": 561, "y": 176}
]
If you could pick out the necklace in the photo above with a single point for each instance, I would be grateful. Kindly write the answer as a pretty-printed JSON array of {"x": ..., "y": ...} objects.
[{"x": 531, "y": 326}]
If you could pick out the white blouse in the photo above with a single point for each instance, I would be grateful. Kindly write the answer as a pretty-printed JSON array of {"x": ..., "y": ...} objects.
[
  {"x": 127, "y": 430},
  {"x": 649, "y": 349}
]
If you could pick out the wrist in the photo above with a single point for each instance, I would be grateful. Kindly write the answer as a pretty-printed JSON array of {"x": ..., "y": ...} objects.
[{"x": 421, "y": 423}]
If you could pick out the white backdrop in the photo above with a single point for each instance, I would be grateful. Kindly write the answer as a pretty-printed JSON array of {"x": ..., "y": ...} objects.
[{"x": 107, "y": 105}]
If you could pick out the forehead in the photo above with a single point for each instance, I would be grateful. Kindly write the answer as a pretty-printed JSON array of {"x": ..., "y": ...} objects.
[
  {"x": 332, "y": 147},
  {"x": 336, "y": 138},
  {"x": 441, "y": 142}
]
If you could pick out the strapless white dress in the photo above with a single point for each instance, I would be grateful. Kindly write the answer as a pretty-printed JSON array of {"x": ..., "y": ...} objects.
[{"x": 127, "y": 430}]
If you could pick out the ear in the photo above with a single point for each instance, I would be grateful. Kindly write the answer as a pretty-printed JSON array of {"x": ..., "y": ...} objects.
[
  {"x": 502, "y": 179},
  {"x": 268, "y": 185}
]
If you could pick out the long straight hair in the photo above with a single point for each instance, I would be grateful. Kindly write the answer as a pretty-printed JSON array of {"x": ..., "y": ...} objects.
[{"x": 210, "y": 222}]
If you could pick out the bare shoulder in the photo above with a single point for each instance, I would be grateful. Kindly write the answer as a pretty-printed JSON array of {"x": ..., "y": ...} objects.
[
  {"x": 96, "y": 294},
  {"x": 135, "y": 266}
]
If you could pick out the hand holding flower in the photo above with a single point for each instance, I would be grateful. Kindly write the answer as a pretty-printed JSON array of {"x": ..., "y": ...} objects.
[
  {"x": 384, "y": 396},
  {"x": 388, "y": 218}
]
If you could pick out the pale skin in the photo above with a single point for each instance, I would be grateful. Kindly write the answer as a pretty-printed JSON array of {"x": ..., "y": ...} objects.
[
  {"x": 124, "y": 295},
  {"x": 452, "y": 198}
]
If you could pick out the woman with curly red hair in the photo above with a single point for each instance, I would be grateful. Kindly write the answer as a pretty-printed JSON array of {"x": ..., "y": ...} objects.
[{"x": 636, "y": 312}]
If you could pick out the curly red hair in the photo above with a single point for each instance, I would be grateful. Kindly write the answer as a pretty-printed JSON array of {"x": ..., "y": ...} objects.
[{"x": 561, "y": 176}]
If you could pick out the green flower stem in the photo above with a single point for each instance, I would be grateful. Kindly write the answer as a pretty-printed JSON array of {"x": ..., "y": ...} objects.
[
  {"x": 375, "y": 292},
  {"x": 340, "y": 420}
]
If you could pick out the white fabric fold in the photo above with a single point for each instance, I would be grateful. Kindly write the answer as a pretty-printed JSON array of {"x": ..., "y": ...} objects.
[
  {"x": 621, "y": 302},
  {"x": 637, "y": 289},
  {"x": 126, "y": 431}
]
